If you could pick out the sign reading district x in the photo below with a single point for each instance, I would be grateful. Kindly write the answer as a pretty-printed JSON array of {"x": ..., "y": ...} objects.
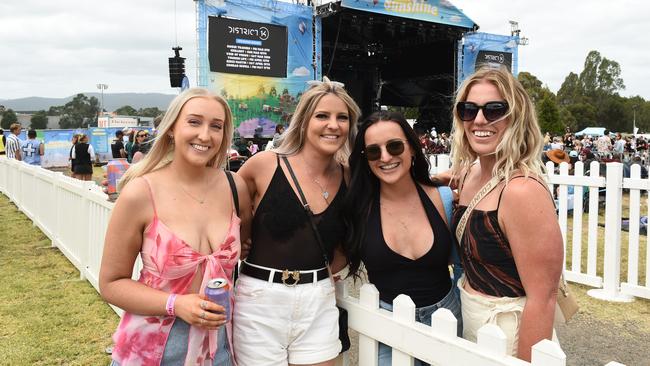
[{"x": 248, "y": 48}]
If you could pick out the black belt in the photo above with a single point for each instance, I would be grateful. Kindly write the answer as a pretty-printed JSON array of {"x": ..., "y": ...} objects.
[{"x": 289, "y": 278}]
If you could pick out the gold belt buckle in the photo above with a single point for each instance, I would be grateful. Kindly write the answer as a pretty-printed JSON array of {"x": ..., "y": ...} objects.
[{"x": 295, "y": 275}]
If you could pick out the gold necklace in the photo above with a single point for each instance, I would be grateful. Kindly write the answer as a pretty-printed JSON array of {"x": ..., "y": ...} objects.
[
  {"x": 202, "y": 200},
  {"x": 323, "y": 188}
]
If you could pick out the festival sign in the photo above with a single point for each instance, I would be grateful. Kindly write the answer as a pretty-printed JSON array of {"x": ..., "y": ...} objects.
[
  {"x": 258, "y": 55},
  {"x": 484, "y": 49},
  {"x": 435, "y": 11},
  {"x": 249, "y": 48}
]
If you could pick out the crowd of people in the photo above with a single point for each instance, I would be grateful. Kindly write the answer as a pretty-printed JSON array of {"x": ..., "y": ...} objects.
[{"x": 331, "y": 193}]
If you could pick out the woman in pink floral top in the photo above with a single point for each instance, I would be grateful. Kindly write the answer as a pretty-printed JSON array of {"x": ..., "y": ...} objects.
[{"x": 176, "y": 210}]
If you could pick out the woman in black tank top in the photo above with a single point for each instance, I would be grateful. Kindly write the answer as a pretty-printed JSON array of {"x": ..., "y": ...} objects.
[
  {"x": 284, "y": 298},
  {"x": 394, "y": 214},
  {"x": 511, "y": 247}
]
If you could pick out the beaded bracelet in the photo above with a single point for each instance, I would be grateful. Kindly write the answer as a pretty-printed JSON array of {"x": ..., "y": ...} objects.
[{"x": 170, "y": 305}]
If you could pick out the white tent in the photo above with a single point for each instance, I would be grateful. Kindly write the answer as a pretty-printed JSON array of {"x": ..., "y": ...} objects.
[{"x": 591, "y": 131}]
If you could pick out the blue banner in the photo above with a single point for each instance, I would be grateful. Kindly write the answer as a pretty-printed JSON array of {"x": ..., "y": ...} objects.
[
  {"x": 484, "y": 49},
  {"x": 57, "y": 147},
  {"x": 258, "y": 101},
  {"x": 435, "y": 11}
]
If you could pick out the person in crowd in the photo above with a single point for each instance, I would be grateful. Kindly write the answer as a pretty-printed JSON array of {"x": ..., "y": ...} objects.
[
  {"x": 142, "y": 145},
  {"x": 557, "y": 143},
  {"x": 619, "y": 147},
  {"x": 285, "y": 306},
  {"x": 252, "y": 148},
  {"x": 396, "y": 220},
  {"x": 32, "y": 149},
  {"x": 178, "y": 210},
  {"x": 73, "y": 162},
  {"x": 12, "y": 144},
  {"x": 128, "y": 147},
  {"x": 511, "y": 248},
  {"x": 604, "y": 145},
  {"x": 3, "y": 140},
  {"x": 279, "y": 130},
  {"x": 83, "y": 156},
  {"x": 117, "y": 145}
]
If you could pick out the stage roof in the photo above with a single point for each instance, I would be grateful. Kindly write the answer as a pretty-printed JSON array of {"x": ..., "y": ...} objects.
[{"x": 434, "y": 11}]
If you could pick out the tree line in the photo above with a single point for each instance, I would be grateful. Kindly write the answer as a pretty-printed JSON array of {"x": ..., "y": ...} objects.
[
  {"x": 80, "y": 112},
  {"x": 588, "y": 99}
]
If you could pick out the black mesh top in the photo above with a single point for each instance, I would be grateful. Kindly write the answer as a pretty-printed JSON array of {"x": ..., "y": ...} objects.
[
  {"x": 426, "y": 279},
  {"x": 282, "y": 236}
]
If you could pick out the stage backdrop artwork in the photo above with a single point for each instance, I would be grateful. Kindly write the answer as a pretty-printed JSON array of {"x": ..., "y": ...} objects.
[
  {"x": 57, "y": 147},
  {"x": 479, "y": 49},
  {"x": 258, "y": 55},
  {"x": 436, "y": 11}
]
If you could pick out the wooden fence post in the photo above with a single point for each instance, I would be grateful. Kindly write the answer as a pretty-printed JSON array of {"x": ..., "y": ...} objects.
[
  {"x": 368, "y": 347},
  {"x": 404, "y": 311},
  {"x": 491, "y": 338},
  {"x": 547, "y": 353}
]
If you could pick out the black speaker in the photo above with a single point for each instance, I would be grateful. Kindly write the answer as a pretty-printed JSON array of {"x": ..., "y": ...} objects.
[{"x": 176, "y": 71}]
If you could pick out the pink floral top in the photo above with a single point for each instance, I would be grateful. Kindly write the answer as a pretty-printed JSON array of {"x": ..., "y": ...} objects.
[{"x": 170, "y": 265}]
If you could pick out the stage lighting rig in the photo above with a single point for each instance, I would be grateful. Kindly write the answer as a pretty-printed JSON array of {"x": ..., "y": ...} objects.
[
  {"x": 516, "y": 32},
  {"x": 329, "y": 9}
]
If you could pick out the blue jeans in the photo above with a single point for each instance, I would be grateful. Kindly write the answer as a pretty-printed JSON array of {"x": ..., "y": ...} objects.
[
  {"x": 423, "y": 315},
  {"x": 176, "y": 346}
]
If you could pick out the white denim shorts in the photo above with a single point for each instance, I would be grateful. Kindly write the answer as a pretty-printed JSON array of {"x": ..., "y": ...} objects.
[{"x": 274, "y": 324}]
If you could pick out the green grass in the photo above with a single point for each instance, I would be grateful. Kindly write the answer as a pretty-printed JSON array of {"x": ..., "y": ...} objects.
[
  {"x": 637, "y": 311},
  {"x": 48, "y": 315}
]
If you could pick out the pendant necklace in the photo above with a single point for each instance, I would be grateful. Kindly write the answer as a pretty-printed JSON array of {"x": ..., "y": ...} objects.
[
  {"x": 202, "y": 200},
  {"x": 323, "y": 188}
]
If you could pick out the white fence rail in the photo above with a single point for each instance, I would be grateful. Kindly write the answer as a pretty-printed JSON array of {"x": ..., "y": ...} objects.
[{"x": 75, "y": 214}]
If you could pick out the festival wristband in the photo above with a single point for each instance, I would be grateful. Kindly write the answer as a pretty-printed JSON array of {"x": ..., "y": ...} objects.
[{"x": 170, "y": 305}]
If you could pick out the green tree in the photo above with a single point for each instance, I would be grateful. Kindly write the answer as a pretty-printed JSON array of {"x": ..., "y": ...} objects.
[
  {"x": 613, "y": 115},
  {"x": 568, "y": 119},
  {"x": 149, "y": 112},
  {"x": 571, "y": 91},
  {"x": 8, "y": 117},
  {"x": 533, "y": 87},
  {"x": 600, "y": 76},
  {"x": 548, "y": 115},
  {"x": 79, "y": 112},
  {"x": 126, "y": 110},
  {"x": 39, "y": 120},
  {"x": 584, "y": 114}
]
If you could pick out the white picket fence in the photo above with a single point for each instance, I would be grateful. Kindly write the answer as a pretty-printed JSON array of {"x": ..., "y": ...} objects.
[
  {"x": 606, "y": 281},
  {"x": 75, "y": 214}
]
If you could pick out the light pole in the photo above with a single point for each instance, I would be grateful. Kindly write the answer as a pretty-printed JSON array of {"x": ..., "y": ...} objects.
[
  {"x": 634, "y": 107},
  {"x": 101, "y": 87}
]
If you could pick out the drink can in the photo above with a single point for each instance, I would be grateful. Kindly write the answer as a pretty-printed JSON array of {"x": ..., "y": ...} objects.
[
  {"x": 218, "y": 291},
  {"x": 115, "y": 170}
]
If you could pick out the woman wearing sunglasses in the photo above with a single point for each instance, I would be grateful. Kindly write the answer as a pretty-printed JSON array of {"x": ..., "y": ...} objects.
[
  {"x": 397, "y": 225},
  {"x": 511, "y": 246},
  {"x": 141, "y": 146},
  {"x": 285, "y": 307}
]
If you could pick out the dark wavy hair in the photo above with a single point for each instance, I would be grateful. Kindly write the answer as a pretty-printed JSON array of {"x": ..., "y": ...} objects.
[{"x": 364, "y": 185}]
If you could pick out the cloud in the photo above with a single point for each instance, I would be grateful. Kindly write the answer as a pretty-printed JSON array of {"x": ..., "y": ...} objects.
[{"x": 300, "y": 71}]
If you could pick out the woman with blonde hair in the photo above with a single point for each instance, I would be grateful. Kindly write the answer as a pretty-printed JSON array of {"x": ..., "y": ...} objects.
[
  {"x": 178, "y": 210},
  {"x": 509, "y": 237},
  {"x": 284, "y": 301}
]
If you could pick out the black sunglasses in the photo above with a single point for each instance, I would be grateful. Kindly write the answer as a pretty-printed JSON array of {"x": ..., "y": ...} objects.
[
  {"x": 143, "y": 135},
  {"x": 394, "y": 147},
  {"x": 492, "y": 111}
]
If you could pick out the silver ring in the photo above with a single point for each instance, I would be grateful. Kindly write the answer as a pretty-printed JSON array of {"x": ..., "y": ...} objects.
[
  {"x": 202, "y": 316},
  {"x": 203, "y": 305}
]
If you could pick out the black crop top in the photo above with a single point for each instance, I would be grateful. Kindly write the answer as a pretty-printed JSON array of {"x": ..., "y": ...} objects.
[
  {"x": 282, "y": 236},
  {"x": 426, "y": 279}
]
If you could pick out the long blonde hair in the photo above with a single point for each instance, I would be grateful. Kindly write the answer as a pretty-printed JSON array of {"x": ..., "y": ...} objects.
[
  {"x": 162, "y": 151},
  {"x": 520, "y": 148},
  {"x": 293, "y": 138}
]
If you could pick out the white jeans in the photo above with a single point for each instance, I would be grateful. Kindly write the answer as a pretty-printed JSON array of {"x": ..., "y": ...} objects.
[{"x": 274, "y": 324}]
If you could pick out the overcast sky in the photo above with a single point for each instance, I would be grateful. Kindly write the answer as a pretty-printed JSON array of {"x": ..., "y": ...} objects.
[{"x": 59, "y": 48}]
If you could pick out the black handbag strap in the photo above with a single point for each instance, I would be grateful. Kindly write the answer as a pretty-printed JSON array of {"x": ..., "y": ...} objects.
[
  {"x": 309, "y": 212},
  {"x": 233, "y": 189}
]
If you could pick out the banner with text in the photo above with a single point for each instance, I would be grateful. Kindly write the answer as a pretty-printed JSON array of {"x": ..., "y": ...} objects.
[
  {"x": 258, "y": 54},
  {"x": 484, "y": 49}
]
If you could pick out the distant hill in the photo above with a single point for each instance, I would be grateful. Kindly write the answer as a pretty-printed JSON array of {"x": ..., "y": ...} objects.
[{"x": 112, "y": 101}]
